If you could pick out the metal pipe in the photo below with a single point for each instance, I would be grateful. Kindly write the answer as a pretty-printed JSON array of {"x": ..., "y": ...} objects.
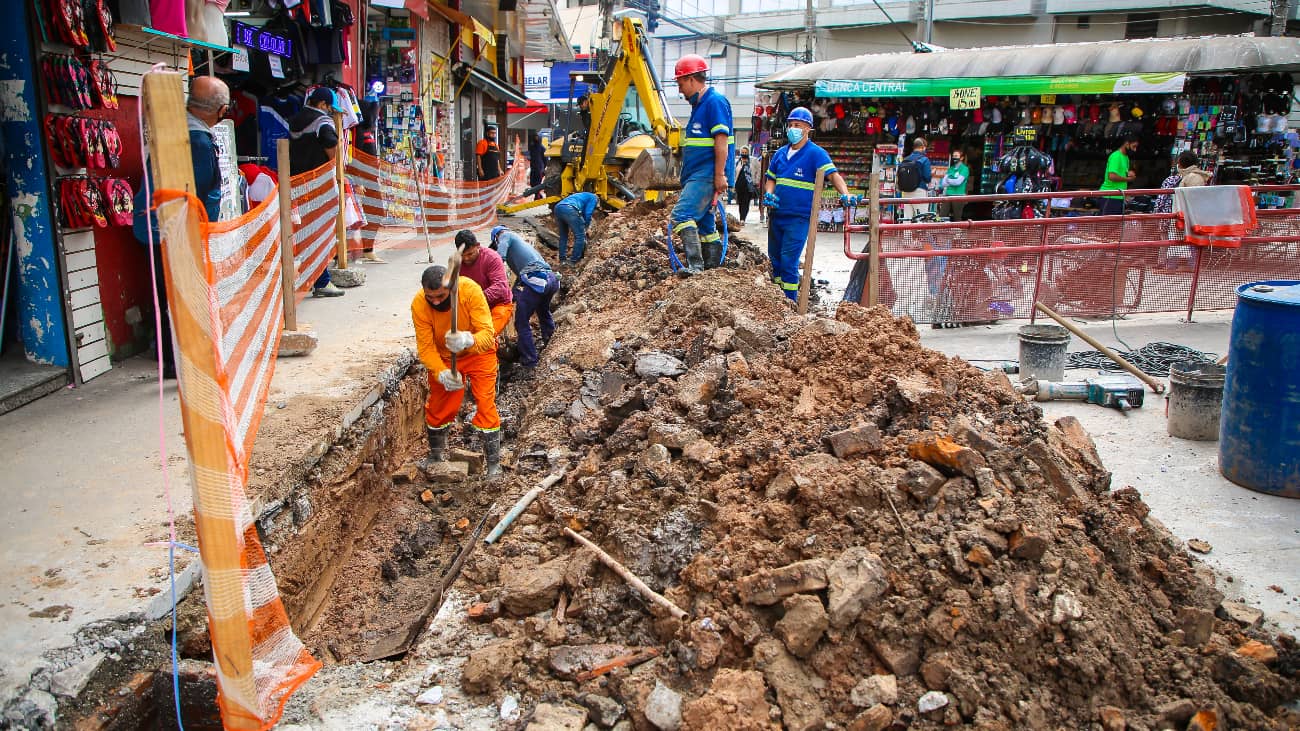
[
  {"x": 1038, "y": 276},
  {"x": 520, "y": 506}
]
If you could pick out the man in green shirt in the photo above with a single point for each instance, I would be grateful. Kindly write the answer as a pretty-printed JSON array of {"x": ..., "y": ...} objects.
[
  {"x": 1119, "y": 173},
  {"x": 954, "y": 183}
]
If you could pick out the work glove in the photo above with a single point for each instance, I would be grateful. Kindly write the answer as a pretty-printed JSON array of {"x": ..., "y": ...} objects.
[
  {"x": 459, "y": 341},
  {"x": 450, "y": 381},
  {"x": 771, "y": 201},
  {"x": 850, "y": 201}
]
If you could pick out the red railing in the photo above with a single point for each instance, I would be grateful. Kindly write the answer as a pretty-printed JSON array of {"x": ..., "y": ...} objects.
[{"x": 1083, "y": 265}]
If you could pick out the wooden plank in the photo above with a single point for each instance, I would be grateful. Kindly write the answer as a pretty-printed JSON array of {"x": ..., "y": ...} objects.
[
  {"x": 97, "y": 349},
  {"x": 84, "y": 297},
  {"x": 288, "y": 272},
  {"x": 80, "y": 260},
  {"x": 91, "y": 333},
  {"x": 78, "y": 241},
  {"x": 83, "y": 278},
  {"x": 96, "y": 367},
  {"x": 810, "y": 246},
  {"x": 83, "y": 316}
]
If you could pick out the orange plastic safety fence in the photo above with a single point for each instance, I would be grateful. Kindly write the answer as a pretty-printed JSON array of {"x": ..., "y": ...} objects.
[{"x": 315, "y": 197}]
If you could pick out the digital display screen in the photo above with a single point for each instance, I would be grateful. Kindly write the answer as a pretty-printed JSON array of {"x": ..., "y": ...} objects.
[{"x": 251, "y": 36}]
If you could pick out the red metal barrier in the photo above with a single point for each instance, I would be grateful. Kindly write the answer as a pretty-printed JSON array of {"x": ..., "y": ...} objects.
[{"x": 1081, "y": 265}]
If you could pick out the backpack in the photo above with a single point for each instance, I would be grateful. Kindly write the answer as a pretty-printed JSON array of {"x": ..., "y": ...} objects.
[{"x": 909, "y": 175}]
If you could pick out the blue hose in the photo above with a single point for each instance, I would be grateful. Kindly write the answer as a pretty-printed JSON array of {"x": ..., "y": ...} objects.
[
  {"x": 673, "y": 261},
  {"x": 726, "y": 238}
]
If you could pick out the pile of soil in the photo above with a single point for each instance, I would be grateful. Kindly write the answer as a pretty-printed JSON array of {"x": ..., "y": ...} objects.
[{"x": 864, "y": 533}]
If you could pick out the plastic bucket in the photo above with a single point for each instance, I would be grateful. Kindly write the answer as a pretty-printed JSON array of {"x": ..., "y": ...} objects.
[
  {"x": 1259, "y": 432},
  {"x": 1195, "y": 400},
  {"x": 1042, "y": 352}
]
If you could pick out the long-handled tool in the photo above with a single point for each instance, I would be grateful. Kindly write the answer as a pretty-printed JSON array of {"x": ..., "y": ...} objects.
[
  {"x": 1155, "y": 385},
  {"x": 452, "y": 283}
]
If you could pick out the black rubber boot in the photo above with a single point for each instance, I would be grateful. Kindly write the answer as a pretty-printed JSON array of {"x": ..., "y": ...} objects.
[
  {"x": 691, "y": 245},
  {"x": 437, "y": 445},
  {"x": 492, "y": 452},
  {"x": 712, "y": 254}
]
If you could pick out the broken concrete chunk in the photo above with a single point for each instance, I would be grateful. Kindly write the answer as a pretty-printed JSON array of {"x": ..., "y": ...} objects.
[
  {"x": 856, "y": 578},
  {"x": 700, "y": 385},
  {"x": 875, "y": 718},
  {"x": 1066, "y": 607},
  {"x": 655, "y": 455},
  {"x": 901, "y": 657},
  {"x": 803, "y": 625},
  {"x": 1027, "y": 544},
  {"x": 700, "y": 451},
  {"x": 487, "y": 666},
  {"x": 1241, "y": 613},
  {"x": 942, "y": 451},
  {"x": 769, "y": 586},
  {"x": 863, "y": 439},
  {"x": 663, "y": 708},
  {"x": 751, "y": 335},
  {"x": 567, "y": 661},
  {"x": 406, "y": 474},
  {"x": 875, "y": 689},
  {"x": 1257, "y": 650},
  {"x": 1197, "y": 625},
  {"x": 70, "y": 681},
  {"x": 932, "y": 701},
  {"x": 601, "y": 710},
  {"x": 735, "y": 701},
  {"x": 557, "y": 717},
  {"x": 672, "y": 436},
  {"x": 473, "y": 460},
  {"x": 921, "y": 480},
  {"x": 796, "y": 688},
  {"x": 976, "y": 439},
  {"x": 826, "y": 326},
  {"x": 445, "y": 473},
  {"x": 722, "y": 338},
  {"x": 658, "y": 365},
  {"x": 1199, "y": 545},
  {"x": 1178, "y": 712},
  {"x": 430, "y": 697},
  {"x": 529, "y": 589}
]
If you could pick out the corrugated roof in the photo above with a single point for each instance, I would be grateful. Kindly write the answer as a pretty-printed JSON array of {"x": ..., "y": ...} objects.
[{"x": 1155, "y": 55}]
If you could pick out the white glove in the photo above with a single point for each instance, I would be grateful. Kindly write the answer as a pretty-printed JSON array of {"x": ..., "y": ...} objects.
[
  {"x": 459, "y": 341},
  {"x": 450, "y": 381}
]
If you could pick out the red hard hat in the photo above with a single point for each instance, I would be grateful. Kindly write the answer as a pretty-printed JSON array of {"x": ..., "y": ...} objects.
[{"x": 689, "y": 64}]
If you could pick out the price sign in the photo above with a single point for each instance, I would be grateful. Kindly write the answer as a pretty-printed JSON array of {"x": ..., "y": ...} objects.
[
  {"x": 277, "y": 70},
  {"x": 239, "y": 59},
  {"x": 966, "y": 98},
  {"x": 1047, "y": 99}
]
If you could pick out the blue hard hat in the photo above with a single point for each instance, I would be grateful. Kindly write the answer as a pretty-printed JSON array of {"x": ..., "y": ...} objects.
[
  {"x": 800, "y": 114},
  {"x": 496, "y": 231}
]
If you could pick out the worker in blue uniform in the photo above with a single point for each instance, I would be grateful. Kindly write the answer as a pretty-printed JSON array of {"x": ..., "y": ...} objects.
[
  {"x": 708, "y": 165},
  {"x": 573, "y": 214},
  {"x": 788, "y": 195}
]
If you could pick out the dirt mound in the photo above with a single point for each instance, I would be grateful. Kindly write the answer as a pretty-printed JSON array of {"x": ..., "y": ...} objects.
[{"x": 863, "y": 532}]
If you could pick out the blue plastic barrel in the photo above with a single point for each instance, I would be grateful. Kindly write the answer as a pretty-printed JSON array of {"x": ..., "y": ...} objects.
[{"x": 1259, "y": 432}]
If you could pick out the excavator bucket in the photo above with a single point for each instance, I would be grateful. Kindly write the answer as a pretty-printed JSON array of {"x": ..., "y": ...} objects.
[{"x": 651, "y": 171}]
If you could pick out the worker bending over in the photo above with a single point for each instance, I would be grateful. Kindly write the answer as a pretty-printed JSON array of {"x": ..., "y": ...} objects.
[
  {"x": 574, "y": 214},
  {"x": 708, "y": 164},
  {"x": 788, "y": 194},
  {"x": 535, "y": 286},
  {"x": 475, "y": 346},
  {"x": 489, "y": 272}
]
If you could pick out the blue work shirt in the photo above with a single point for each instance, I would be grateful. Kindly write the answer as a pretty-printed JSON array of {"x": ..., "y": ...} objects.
[
  {"x": 207, "y": 182},
  {"x": 584, "y": 202},
  {"x": 519, "y": 255},
  {"x": 710, "y": 115},
  {"x": 796, "y": 178}
]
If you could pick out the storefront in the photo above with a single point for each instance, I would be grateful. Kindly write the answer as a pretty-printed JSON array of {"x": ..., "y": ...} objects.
[{"x": 1045, "y": 118}]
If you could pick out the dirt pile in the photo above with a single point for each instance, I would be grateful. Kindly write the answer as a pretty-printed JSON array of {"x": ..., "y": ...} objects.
[{"x": 864, "y": 533}]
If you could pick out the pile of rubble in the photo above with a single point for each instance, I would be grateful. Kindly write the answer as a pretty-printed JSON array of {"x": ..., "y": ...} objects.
[{"x": 862, "y": 533}]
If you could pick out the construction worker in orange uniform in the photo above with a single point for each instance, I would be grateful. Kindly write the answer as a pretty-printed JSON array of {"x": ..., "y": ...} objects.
[
  {"x": 474, "y": 343},
  {"x": 487, "y": 270}
]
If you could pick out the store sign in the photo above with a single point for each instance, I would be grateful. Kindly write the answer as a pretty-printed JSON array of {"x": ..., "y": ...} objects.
[
  {"x": 239, "y": 59},
  {"x": 1163, "y": 83},
  {"x": 964, "y": 98},
  {"x": 1046, "y": 98},
  {"x": 251, "y": 36},
  {"x": 537, "y": 81}
]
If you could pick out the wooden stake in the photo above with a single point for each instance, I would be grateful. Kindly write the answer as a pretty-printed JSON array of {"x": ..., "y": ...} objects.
[
  {"x": 215, "y": 507},
  {"x": 805, "y": 280},
  {"x": 873, "y": 241},
  {"x": 452, "y": 283},
  {"x": 627, "y": 576},
  {"x": 1155, "y": 385},
  {"x": 288, "y": 269},
  {"x": 340, "y": 158}
]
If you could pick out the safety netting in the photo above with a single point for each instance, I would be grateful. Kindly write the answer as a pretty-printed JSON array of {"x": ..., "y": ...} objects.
[
  {"x": 316, "y": 201},
  {"x": 224, "y": 289},
  {"x": 1084, "y": 266}
]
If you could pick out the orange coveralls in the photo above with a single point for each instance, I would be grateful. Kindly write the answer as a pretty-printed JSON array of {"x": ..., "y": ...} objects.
[{"x": 477, "y": 365}]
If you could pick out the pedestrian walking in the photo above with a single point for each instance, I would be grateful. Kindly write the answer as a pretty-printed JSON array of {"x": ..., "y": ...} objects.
[
  {"x": 913, "y": 178},
  {"x": 745, "y": 188}
]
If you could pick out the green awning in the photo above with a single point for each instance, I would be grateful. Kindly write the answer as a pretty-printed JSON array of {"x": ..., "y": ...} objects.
[{"x": 1164, "y": 83}]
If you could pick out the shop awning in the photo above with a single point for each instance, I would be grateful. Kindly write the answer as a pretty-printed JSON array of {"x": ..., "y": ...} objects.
[
  {"x": 452, "y": 15},
  {"x": 1028, "y": 65},
  {"x": 545, "y": 38},
  {"x": 496, "y": 88},
  {"x": 1006, "y": 85}
]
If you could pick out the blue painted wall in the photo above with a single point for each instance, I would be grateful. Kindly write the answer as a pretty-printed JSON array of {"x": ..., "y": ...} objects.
[{"x": 40, "y": 300}]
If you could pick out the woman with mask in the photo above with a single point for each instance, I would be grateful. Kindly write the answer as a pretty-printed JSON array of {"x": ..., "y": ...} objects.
[{"x": 954, "y": 183}]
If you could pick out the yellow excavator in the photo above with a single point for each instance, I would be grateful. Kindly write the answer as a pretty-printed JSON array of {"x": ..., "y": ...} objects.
[{"x": 632, "y": 143}]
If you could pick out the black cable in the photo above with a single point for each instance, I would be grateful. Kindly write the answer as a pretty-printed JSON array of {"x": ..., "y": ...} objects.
[
  {"x": 1152, "y": 359},
  {"x": 915, "y": 46}
]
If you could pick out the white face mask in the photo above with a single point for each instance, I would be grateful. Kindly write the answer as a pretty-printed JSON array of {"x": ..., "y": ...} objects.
[{"x": 794, "y": 134}]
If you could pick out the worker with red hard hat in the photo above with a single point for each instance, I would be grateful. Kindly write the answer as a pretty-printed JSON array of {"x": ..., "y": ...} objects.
[{"x": 708, "y": 165}]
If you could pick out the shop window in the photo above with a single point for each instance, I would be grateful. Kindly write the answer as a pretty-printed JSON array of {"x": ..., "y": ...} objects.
[
  {"x": 1083, "y": 22},
  {"x": 695, "y": 8},
  {"x": 1141, "y": 25},
  {"x": 770, "y": 6}
]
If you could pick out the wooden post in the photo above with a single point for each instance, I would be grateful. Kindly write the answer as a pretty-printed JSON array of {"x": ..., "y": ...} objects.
[
  {"x": 215, "y": 508},
  {"x": 288, "y": 269},
  {"x": 805, "y": 280},
  {"x": 873, "y": 240},
  {"x": 340, "y": 158}
]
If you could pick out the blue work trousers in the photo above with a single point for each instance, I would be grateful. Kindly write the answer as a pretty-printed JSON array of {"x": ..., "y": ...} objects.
[
  {"x": 527, "y": 302},
  {"x": 786, "y": 236},
  {"x": 694, "y": 209},
  {"x": 568, "y": 218}
]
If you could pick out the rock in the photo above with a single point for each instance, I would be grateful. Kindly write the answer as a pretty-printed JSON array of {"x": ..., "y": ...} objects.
[
  {"x": 700, "y": 451},
  {"x": 751, "y": 335},
  {"x": 654, "y": 456},
  {"x": 936, "y": 670},
  {"x": 1027, "y": 544},
  {"x": 856, "y": 578},
  {"x": 701, "y": 383},
  {"x": 1177, "y": 712},
  {"x": 803, "y": 625},
  {"x": 1258, "y": 651},
  {"x": 557, "y": 717},
  {"x": 487, "y": 666},
  {"x": 473, "y": 460},
  {"x": 942, "y": 451},
  {"x": 347, "y": 277},
  {"x": 769, "y": 586},
  {"x": 1206, "y": 720},
  {"x": 722, "y": 338},
  {"x": 1241, "y": 613},
  {"x": 672, "y": 436},
  {"x": 902, "y": 658},
  {"x": 1065, "y": 608},
  {"x": 1197, "y": 625},
  {"x": 663, "y": 708},
  {"x": 1200, "y": 546},
  {"x": 796, "y": 688},
  {"x": 294, "y": 343},
  {"x": 737, "y": 366},
  {"x": 406, "y": 475},
  {"x": 658, "y": 365},
  {"x": 976, "y": 439},
  {"x": 430, "y": 697},
  {"x": 981, "y": 556},
  {"x": 484, "y": 611},
  {"x": 874, "y": 690},
  {"x": 445, "y": 473},
  {"x": 1112, "y": 719},
  {"x": 921, "y": 480},
  {"x": 932, "y": 701},
  {"x": 863, "y": 439},
  {"x": 734, "y": 702},
  {"x": 601, "y": 710},
  {"x": 826, "y": 326},
  {"x": 509, "y": 708},
  {"x": 875, "y": 718},
  {"x": 528, "y": 589},
  {"x": 567, "y": 661},
  {"x": 70, "y": 681},
  {"x": 35, "y": 710}
]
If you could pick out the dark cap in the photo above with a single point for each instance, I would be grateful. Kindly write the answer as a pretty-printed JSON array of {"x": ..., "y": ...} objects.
[{"x": 321, "y": 94}]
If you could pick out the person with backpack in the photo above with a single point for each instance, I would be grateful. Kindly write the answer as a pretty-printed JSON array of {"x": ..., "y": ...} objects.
[
  {"x": 788, "y": 195},
  {"x": 914, "y": 175}
]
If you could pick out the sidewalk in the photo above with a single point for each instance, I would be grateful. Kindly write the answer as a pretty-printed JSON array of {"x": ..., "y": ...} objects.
[{"x": 83, "y": 483}]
